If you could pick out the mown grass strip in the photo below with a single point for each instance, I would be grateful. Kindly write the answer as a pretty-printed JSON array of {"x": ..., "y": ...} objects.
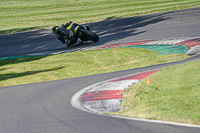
[
  {"x": 20, "y": 15},
  {"x": 77, "y": 64},
  {"x": 173, "y": 95}
]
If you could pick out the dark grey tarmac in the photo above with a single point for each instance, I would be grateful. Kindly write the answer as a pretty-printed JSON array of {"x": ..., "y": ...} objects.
[{"x": 173, "y": 24}]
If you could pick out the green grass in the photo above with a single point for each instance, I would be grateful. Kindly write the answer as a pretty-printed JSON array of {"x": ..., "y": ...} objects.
[
  {"x": 23, "y": 15},
  {"x": 77, "y": 64},
  {"x": 173, "y": 95}
]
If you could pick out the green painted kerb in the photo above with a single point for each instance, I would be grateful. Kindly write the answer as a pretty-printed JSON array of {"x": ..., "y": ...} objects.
[
  {"x": 13, "y": 57},
  {"x": 163, "y": 49}
]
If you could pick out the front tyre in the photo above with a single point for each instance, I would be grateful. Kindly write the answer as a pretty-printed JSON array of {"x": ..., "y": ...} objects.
[{"x": 90, "y": 35}]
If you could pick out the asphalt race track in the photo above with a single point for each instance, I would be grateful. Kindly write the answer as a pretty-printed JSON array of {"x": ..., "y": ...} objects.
[{"x": 46, "y": 107}]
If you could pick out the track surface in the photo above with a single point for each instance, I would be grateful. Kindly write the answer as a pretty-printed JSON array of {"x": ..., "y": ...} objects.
[
  {"x": 183, "y": 23},
  {"x": 45, "y": 107}
]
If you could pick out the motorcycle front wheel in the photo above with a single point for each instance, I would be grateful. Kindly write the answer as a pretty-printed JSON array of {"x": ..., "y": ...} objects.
[{"x": 88, "y": 35}]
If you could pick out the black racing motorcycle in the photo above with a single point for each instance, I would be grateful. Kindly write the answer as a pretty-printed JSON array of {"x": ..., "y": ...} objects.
[{"x": 83, "y": 33}]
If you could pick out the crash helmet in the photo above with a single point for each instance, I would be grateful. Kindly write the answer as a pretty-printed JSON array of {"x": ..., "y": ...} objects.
[{"x": 54, "y": 29}]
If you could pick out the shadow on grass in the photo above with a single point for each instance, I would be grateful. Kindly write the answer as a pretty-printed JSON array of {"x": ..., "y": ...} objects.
[
  {"x": 20, "y": 60},
  {"x": 4, "y": 69},
  {"x": 21, "y": 29},
  {"x": 16, "y": 75},
  {"x": 112, "y": 17}
]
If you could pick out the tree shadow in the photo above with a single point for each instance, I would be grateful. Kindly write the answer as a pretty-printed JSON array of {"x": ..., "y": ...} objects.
[
  {"x": 4, "y": 69},
  {"x": 20, "y": 29},
  {"x": 116, "y": 29},
  {"x": 35, "y": 36},
  {"x": 27, "y": 73},
  {"x": 27, "y": 42},
  {"x": 108, "y": 18},
  {"x": 20, "y": 60}
]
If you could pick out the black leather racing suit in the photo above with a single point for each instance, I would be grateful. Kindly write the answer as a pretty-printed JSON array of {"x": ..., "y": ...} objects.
[{"x": 69, "y": 33}]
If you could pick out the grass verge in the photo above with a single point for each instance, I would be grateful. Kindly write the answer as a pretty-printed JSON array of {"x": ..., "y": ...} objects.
[
  {"x": 173, "y": 95},
  {"x": 24, "y": 15},
  {"x": 76, "y": 64}
]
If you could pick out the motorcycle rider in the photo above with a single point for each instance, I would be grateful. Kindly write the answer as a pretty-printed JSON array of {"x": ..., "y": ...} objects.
[{"x": 69, "y": 33}]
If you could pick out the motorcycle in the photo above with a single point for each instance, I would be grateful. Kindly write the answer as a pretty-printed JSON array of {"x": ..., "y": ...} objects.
[{"x": 84, "y": 34}]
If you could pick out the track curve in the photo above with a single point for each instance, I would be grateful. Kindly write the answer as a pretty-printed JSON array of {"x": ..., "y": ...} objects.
[{"x": 45, "y": 107}]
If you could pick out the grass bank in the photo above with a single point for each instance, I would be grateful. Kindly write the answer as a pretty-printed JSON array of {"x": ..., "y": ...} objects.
[
  {"x": 76, "y": 64},
  {"x": 24, "y": 15},
  {"x": 173, "y": 95}
]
